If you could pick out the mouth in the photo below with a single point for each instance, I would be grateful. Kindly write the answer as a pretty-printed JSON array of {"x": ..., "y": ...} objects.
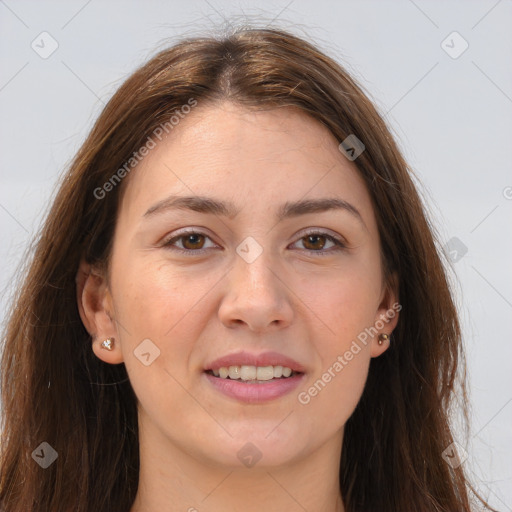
[
  {"x": 253, "y": 379},
  {"x": 249, "y": 374}
]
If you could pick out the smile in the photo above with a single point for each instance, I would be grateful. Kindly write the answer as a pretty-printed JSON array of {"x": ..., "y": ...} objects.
[{"x": 252, "y": 374}]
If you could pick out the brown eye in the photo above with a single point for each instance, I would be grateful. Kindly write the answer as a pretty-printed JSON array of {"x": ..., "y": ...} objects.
[
  {"x": 193, "y": 241},
  {"x": 314, "y": 241},
  {"x": 189, "y": 242}
]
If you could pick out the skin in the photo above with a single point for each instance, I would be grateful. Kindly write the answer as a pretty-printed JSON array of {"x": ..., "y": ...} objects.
[{"x": 196, "y": 308}]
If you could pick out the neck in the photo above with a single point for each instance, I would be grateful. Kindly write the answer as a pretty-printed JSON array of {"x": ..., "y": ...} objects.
[{"x": 169, "y": 477}]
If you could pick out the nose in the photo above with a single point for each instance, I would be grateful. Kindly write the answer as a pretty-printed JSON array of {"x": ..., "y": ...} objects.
[{"x": 257, "y": 296}]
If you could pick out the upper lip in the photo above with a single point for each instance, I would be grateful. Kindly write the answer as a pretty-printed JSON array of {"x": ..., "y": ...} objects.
[{"x": 248, "y": 359}]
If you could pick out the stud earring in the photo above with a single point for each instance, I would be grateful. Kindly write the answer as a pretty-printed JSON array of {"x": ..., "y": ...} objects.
[
  {"x": 107, "y": 344},
  {"x": 382, "y": 338}
]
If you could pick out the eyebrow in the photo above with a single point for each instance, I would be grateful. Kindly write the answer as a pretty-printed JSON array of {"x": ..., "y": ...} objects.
[{"x": 287, "y": 210}]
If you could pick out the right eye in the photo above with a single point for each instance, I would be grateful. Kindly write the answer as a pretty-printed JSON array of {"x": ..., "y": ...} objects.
[{"x": 191, "y": 242}]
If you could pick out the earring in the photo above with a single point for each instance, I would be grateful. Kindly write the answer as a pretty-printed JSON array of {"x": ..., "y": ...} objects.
[
  {"x": 107, "y": 344},
  {"x": 382, "y": 338}
]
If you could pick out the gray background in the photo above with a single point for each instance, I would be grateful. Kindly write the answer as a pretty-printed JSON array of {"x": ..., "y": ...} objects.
[{"x": 452, "y": 117}]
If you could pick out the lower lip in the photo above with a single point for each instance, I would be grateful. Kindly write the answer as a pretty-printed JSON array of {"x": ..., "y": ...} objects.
[{"x": 255, "y": 393}]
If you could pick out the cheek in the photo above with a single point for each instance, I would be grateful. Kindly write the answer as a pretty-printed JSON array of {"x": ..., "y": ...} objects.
[
  {"x": 330, "y": 397},
  {"x": 160, "y": 316},
  {"x": 154, "y": 300},
  {"x": 345, "y": 304},
  {"x": 157, "y": 314},
  {"x": 345, "y": 307},
  {"x": 331, "y": 394}
]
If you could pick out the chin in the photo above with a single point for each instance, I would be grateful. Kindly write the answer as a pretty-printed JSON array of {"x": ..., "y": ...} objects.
[{"x": 255, "y": 450}]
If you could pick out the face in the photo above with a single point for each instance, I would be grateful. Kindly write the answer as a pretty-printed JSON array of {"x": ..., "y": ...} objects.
[{"x": 190, "y": 285}]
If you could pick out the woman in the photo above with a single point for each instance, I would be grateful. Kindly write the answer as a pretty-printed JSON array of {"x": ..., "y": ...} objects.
[{"x": 235, "y": 303}]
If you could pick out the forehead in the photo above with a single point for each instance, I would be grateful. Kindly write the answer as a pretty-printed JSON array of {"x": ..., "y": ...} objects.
[{"x": 255, "y": 159}]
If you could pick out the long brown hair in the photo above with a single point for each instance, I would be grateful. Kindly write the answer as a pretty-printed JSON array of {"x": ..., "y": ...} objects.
[{"x": 55, "y": 390}]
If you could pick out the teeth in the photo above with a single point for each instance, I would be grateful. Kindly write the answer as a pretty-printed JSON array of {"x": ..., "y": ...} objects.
[
  {"x": 252, "y": 372},
  {"x": 234, "y": 372},
  {"x": 248, "y": 372},
  {"x": 265, "y": 373}
]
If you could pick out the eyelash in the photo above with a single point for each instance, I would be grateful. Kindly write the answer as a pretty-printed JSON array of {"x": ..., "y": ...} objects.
[{"x": 339, "y": 245}]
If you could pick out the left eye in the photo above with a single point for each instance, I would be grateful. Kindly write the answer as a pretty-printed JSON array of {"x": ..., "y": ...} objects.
[
  {"x": 193, "y": 241},
  {"x": 316, "y": 242}
]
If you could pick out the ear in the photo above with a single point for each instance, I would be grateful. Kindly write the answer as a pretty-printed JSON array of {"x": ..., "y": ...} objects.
[
  {"x": 95, "y": 306},
  {"x": 386, "y": 316}
]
